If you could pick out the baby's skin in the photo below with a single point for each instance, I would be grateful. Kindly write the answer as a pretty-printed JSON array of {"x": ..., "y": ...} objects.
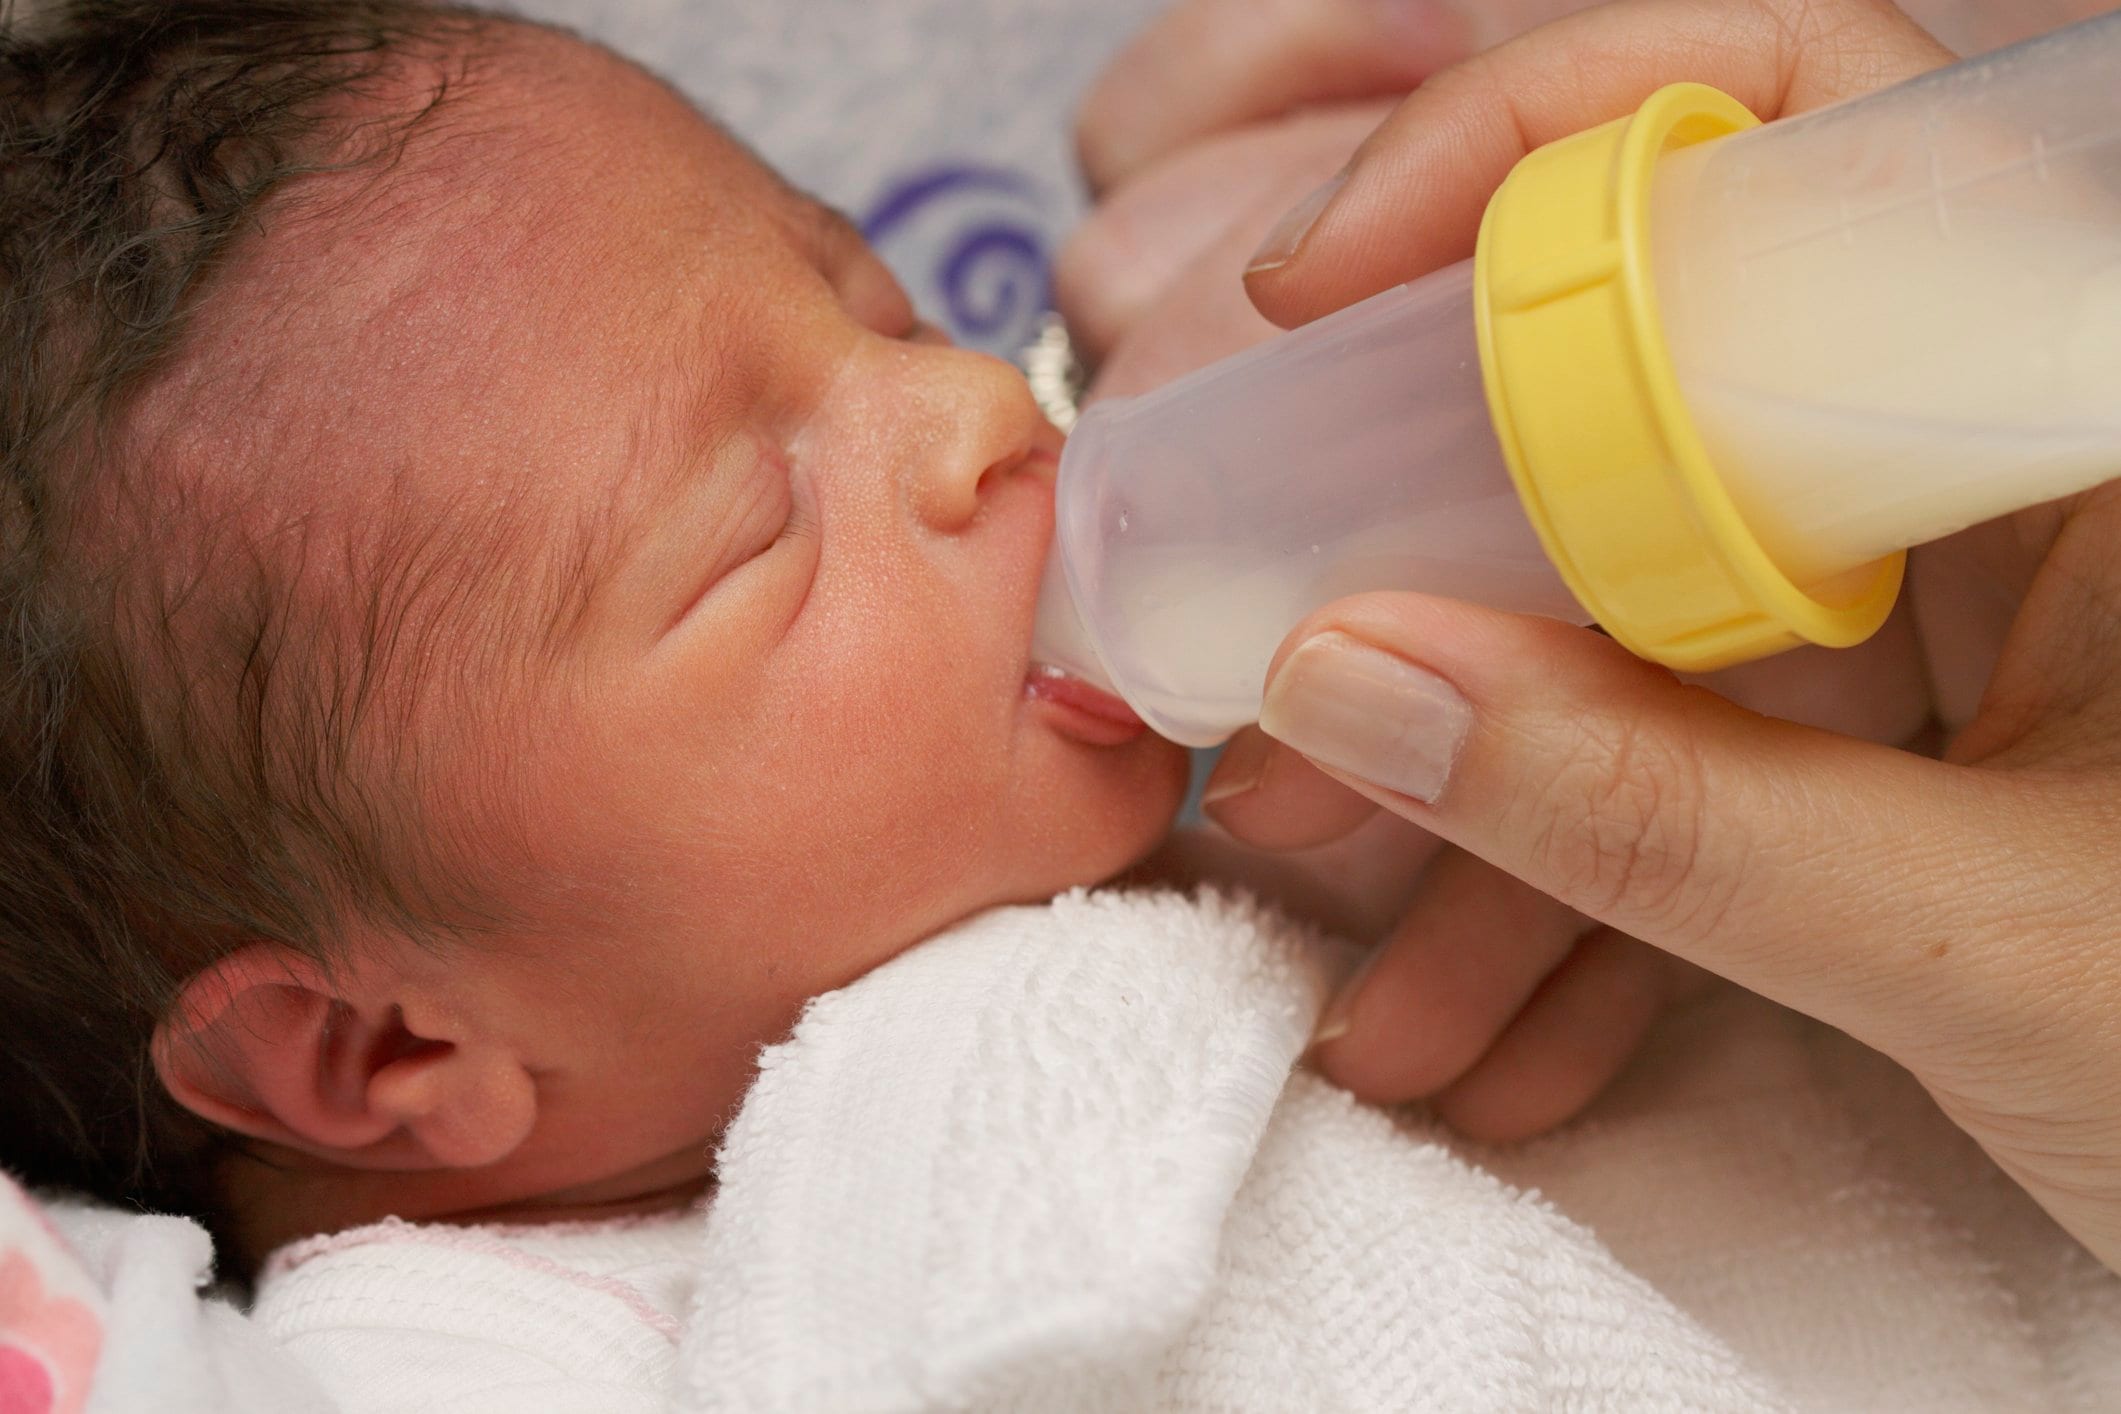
[{"x": 713, "y": 576}]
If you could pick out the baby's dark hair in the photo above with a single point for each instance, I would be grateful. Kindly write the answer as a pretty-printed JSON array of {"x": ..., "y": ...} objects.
[{"x": 151, "y": 823}]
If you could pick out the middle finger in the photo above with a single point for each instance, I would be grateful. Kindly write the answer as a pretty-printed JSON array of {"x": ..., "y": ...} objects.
[{"x": 1436, "y": 993}]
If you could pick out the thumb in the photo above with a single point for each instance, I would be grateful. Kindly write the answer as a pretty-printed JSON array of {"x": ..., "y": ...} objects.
[{"x": 1835, "y": 876}]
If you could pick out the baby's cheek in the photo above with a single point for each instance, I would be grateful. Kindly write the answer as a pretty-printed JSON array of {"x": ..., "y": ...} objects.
[{"x": 1098, "y": 810}]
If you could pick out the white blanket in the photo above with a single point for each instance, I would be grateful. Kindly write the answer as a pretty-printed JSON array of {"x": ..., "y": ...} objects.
[{"x": 1056, "y": 1159}]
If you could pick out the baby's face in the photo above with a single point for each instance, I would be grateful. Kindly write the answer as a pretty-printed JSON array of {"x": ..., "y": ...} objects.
[{"x": 725, "y": 662}]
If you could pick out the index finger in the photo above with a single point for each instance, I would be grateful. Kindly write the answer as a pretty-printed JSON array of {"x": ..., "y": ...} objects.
[
  {"x": 1411, "y": 200},
  {"x": 1205, "y": 66},
  {"x": 1266, "y": 795}
]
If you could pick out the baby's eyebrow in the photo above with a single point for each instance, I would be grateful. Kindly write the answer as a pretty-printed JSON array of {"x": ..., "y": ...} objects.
[
  {"x": 689, "y": 407},
  {"x": 574, "y": 569},
  {"x": 512, "y": 584},
  {"x": 572, "y": 576}
]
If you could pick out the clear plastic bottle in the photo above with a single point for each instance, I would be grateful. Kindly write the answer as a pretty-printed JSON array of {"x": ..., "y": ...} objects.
[
  {"x": 1202, "y": 520},
  {"x": 1884, "y": 321}
]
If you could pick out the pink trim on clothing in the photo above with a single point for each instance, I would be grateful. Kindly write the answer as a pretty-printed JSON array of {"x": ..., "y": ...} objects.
[
  {"x": 592, "y": 1226},
  {"x": 485, "y": 1243}
]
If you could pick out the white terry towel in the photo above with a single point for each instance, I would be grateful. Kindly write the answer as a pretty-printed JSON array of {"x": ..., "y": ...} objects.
[{"x": 1056, "y": 1159}]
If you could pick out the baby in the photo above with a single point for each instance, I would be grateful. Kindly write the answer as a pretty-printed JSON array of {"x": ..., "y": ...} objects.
[
  {"x": 504, "y": 606},
  {"x": 505, "y": 602}
]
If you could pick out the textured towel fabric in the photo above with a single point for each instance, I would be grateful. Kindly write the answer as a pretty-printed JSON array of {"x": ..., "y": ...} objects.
[
  {"x": 1057, "y": 1159},
  {"x": 1054, "y": 1162}
]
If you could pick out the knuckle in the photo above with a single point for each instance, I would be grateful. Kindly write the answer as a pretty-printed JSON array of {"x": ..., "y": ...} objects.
[{"x": 1623, "y": 825}]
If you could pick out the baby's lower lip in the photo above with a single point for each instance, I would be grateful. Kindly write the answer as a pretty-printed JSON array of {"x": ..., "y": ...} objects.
[{"x": 1089, "y": 714}]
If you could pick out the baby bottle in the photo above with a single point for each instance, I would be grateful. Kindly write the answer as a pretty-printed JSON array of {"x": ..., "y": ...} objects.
[{"x": 1702, "y": 383}]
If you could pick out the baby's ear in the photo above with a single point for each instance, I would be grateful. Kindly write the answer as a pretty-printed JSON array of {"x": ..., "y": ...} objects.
[{"x": 346, "y": 1066}]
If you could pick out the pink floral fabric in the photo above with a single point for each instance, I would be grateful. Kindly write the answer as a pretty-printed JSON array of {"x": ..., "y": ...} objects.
[{"x": 51, "y": 1315}]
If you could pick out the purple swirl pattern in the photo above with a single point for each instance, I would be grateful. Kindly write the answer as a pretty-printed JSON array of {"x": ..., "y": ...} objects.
[{"x": 974, "y": 244}]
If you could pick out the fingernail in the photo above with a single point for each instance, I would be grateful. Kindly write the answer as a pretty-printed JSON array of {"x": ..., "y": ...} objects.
[
  {"x": 1338, "y": 1019},
  {"x": 1333, "y": 1025},
  {"x": 1289, "y": 231},
  {"x": 1239, "y": 772},
  {"x": 1359, "y": 709}
]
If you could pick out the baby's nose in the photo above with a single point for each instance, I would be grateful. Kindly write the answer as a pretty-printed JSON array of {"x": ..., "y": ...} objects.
[{"x": 980, "y": 420}]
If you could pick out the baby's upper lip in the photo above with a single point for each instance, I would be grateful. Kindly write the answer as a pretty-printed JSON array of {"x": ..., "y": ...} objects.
[
  {"x": 1047, "y": 442},
  {"x": 1044, "y": 458}
]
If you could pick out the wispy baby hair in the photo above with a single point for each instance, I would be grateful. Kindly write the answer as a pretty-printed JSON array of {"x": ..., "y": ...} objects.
[{"x": 141, "y": 142}]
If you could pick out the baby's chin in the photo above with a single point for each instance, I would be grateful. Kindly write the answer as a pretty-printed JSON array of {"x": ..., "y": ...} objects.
[{"x": 1113, "y": 808}]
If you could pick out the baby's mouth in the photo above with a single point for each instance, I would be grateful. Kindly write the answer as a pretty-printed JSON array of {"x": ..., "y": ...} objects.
[
  {"x": 1089, "y": 714},
  {"x": 1065, "y": 670}
]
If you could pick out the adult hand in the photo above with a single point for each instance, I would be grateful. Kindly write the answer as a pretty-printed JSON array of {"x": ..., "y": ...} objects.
[
  {"x": 1151, "y": 282},
  {"x": 1223, "y": 112},
  {"x": 1957, "y": 914},
  {"x": 1204, "y": 129},
  {"x": 1207, "y": 67},
  {"x": 1152, "y": 290}
]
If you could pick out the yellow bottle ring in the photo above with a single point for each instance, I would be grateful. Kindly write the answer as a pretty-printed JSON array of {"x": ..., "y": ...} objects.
[{"x": 1598, "y": 439}]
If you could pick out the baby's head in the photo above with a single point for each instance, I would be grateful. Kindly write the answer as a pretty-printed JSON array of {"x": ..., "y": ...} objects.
[{"x": 502, "y": 603}]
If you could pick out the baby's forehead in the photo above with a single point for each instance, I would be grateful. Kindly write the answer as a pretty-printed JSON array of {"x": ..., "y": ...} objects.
[
  {"x": 549, "y": 159},
  {"x": 432, "y": 375},
  {"x": 429, "y": 326}
]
